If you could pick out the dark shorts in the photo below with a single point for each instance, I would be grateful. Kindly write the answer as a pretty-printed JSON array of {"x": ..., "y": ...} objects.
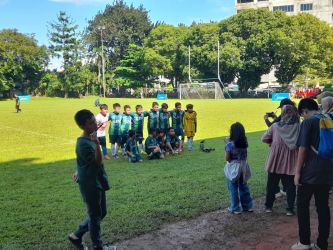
[
  {"x": 124, "y": 139},
  {"x": 179, "y": 132},
  {"x": 139, "y": 137},
  {"x": 115, "y": 139}
]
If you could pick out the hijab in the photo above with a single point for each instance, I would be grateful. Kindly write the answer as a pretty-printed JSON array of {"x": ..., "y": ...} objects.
[
  {"x": 327, "y": 105},
  {"x": 289, "y": 126}
]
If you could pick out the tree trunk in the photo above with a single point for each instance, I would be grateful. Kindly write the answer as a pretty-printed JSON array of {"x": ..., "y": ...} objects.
[{"x": 66, "y": 94}]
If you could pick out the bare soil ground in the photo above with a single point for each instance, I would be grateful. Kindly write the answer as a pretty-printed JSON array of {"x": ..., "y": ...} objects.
[{"x": 222, "y": 230}]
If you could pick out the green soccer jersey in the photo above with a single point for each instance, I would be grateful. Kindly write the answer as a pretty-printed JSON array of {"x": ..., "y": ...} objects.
[
  {"x": 126, "y": 121},
  {"x": 177, "y": 118},
  {"x": 153, "y": 119},
  {"x": 115, "y": 119},
  {"x": 164, "y": 120},
  {"x": 132, "y": 147},
  {"x": 138, "y": 122},
  {"x": 91, "y": 175},
  {"x": 150, "y": 143}
]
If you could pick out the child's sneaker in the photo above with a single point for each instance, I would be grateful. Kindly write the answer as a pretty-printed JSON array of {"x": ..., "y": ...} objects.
[
  {"x": 290, "y": 213},
  {"x": 268, "y": 211},
  {"x": 77, "y": 243},
  {"x": 300, "y": 246},
  {"x": 315, "y": 247}
]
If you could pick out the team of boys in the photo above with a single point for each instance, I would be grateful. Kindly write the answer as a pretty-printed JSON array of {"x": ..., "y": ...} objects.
[{"x": 126, "y": 130}]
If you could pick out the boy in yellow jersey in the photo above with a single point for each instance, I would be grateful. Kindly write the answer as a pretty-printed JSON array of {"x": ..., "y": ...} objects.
[{"x": 190, "y": 125}]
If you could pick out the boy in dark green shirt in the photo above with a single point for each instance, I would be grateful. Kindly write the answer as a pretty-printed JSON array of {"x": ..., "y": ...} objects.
[
  {"x": 164, "y": 116},
  {"x": 132, "y": 148},
  {"x": 152, "y": 148},
  {"x": 153, "y": 117},
  {"x": 92, "y": 179}
]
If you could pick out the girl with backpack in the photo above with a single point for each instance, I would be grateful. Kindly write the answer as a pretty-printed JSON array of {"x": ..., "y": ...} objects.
[{"x": 237, "y": 170}]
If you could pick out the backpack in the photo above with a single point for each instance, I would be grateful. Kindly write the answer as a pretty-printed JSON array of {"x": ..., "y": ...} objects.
[{"x": 325, "y": 149}]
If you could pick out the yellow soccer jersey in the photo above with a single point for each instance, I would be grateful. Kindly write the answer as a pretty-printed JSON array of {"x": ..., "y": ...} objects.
[{"x": 190, "y": 123}]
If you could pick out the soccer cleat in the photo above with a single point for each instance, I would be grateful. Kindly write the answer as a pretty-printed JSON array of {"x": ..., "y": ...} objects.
[
  {"x": 290, "y": 213},
  {"x": 107, "y": 158},
  {"x": 300, "y": 246}
]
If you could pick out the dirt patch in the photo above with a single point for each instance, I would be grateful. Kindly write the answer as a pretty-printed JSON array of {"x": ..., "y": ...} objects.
[{"x": 222, "y": 230}]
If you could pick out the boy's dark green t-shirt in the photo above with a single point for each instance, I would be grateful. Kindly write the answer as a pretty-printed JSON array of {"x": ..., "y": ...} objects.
[{"x": 91, "y": 175}]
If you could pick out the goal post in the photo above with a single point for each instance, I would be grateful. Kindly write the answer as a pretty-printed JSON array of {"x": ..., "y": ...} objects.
[{"x": 203, "y": 90}]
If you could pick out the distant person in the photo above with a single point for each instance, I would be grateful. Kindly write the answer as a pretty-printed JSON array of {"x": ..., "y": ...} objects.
[
  {"x": 236, "y": 157},
  {"x": 97, "y": 102},
  {"x": 177, "y": 122},
  {"x": 280, "y": 166},
  {"x": 114, "y": 130},
  {"x": 190, "y": 125},
  {"x": 132, "y": 149},
  {"x": 137, "y": 125},
  {"x": 314, "y": 177},
  {"x": 17, "y": 104},
  {"x": 93, "y": 182},
  {"x": 152, "y": 148},
  {"x": 126, "y": 123},
  {"x": 102, "y": 119}
]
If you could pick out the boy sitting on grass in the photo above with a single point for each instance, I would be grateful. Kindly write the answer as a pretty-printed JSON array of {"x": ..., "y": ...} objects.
[
  {"x": 153, "y": 150},
  {"x": 93, "y": 181},
  {"x": 132, "y": 149},
  {"x": 161, "y": 140},
  {"x": 173, "y": 144}
]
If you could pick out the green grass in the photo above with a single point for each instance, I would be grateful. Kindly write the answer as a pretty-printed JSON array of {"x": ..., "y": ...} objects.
[{"x": 40, "y": 205}]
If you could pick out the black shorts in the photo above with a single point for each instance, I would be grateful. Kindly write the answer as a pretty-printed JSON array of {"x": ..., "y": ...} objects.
[
  {"x": 124, "y": 139},
  {"x": 139, "y": 137},
  {"x": 102, "y": 141},
  {"x": 115, "y": 139},
  {"x": 179, "y": 132}
]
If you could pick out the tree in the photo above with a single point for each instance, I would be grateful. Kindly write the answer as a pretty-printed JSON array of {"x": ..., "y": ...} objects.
[
  {"x": 65, "y": 44},
  {"x": 123, "y": 25},
  {"x": 302, "y": 48},
  {"x": 140, "y": 66},
  {"x": 22, "y": 61},
  {"x": 169, "y": 42},
  {"x": 249, "y": 37}
]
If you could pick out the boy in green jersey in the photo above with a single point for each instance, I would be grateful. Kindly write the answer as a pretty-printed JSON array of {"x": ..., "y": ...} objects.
[
  {"x": 132, "y": 149},
  {"x": 114, "y": 130},
  {"x": 177, "y": 118},
  {"x": 126, "y": 122},
  {"x": 153, "y": 117},
  {"x": 92, "y": 179},
  {"x": 137, "y": 124},
  {"x": 152, "y": 148},
  {"x": 164, "y": 116}
]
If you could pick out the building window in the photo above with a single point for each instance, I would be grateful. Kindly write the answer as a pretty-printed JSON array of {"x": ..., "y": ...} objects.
[
  {"x": 245, "y": 1},
  {"x": 285, "y": 8},
  {"x": 306, "y": 7}
]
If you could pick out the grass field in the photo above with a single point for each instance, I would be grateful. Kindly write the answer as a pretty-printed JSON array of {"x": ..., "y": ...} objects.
[{"x": 40, "y": 205}]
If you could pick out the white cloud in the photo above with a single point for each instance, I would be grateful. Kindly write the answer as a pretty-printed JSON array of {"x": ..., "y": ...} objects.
[{"x": 81, "y": 2}]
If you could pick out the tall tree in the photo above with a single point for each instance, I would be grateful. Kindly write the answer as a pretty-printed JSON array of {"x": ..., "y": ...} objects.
[
  {"x": 118, "y": 26},
  {"x": 64, "y": 42},
  {"x": 22, "y": 61}
]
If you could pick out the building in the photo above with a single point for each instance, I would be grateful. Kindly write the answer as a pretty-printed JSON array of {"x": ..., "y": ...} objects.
[{"x": 323, "y": 9}]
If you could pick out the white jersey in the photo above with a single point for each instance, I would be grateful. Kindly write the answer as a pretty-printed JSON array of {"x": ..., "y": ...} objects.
[{"x": 101, "y": 119}]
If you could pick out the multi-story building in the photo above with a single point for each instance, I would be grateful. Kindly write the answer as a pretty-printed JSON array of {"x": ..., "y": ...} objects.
[{"x": 323, "y": 9}]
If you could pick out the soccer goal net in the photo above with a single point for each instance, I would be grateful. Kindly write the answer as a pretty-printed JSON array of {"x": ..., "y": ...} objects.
[{"x": 204, "y": 90}]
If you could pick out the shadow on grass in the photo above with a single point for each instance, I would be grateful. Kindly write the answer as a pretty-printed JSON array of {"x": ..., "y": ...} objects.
[{"x": 40, "y": 204}]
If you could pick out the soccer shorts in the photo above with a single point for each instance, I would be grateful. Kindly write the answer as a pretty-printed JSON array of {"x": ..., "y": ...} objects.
[
  {"x": 179, "y": 132},
  {"x": 115, "y": 139}
]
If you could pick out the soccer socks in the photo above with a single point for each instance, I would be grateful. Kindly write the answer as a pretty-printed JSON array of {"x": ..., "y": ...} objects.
[
  {"x": 124, "y": 151},
  {"x": 141, "y": 147},
  {"x": 190, "y": 143}
]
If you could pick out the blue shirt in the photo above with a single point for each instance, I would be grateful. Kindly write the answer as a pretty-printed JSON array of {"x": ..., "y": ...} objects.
[{"x": 236, "y": 153}]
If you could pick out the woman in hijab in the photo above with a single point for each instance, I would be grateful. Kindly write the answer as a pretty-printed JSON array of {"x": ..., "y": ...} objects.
[
  {"x": 327, "y": 105},
  {"x": 282, "y": 138}
]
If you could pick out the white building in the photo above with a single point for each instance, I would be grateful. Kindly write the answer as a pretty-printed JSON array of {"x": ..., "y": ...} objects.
[{"x": 323, "y": 9}]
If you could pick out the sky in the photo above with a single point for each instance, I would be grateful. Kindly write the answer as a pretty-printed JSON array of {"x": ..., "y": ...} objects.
[{"x": 32, "y": 16}]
